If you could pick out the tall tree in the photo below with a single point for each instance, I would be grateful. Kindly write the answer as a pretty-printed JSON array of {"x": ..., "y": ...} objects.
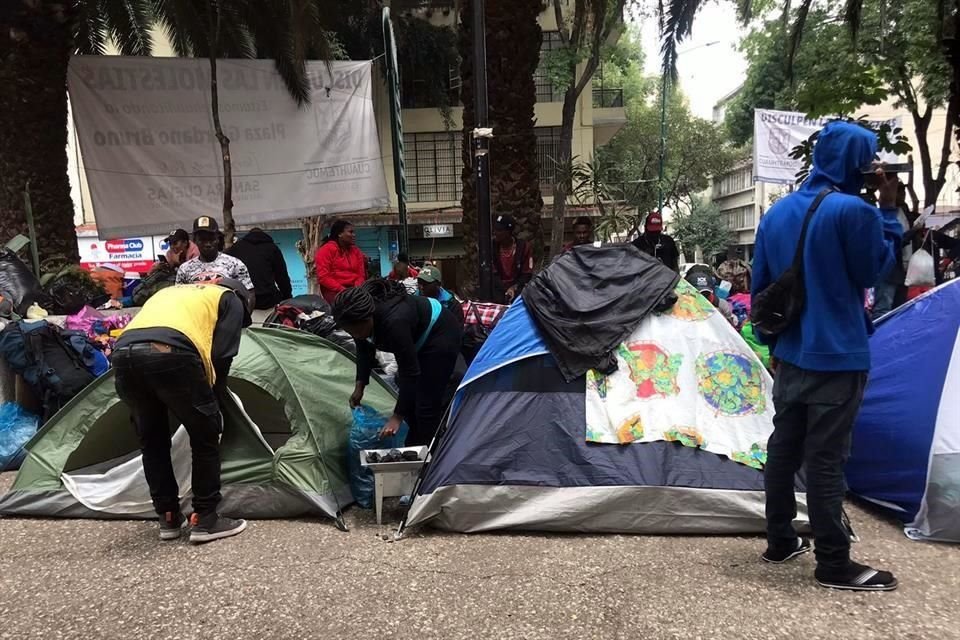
[
  {"x": 896, "y": 56},
  {"x": 583, "y": 34},
  {"x": 513, "y": 52},
  {"x": 629, "y": 163},
  {"x": 703, "y": 226},
  {"x": 37, "y": 38},
  {"x": 677, "y": 19},
  {"x": 36, "y": 41}
]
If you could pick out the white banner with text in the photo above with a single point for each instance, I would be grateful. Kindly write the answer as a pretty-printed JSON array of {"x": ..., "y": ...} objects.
[
  {"x": 777, "y": 133},
  {"x": 153, "y": 162}
]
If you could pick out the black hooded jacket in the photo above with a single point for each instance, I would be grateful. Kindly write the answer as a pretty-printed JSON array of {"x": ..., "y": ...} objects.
[{"x": 268, "y": 270}]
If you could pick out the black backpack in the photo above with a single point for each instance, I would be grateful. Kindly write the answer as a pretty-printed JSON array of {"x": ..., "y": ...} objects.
[
  {"x": 778, "y": 306},
  {"x": 48, "y": 359}
]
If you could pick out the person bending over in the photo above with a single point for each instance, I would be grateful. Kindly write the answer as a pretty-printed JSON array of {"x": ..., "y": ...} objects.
[
  {"x": 173, "y": 359},
  {"x": 422, "y": 335}
]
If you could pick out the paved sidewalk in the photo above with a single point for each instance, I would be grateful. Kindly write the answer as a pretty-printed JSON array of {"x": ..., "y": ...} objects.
[{"x": 305, "y": 579}]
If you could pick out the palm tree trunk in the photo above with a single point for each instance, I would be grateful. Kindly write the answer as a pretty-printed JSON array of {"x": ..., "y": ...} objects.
[
  {"x": 513, "y": 52},
  {"x": 229, "y": 226},
  {"x": 35, "y": 45}
]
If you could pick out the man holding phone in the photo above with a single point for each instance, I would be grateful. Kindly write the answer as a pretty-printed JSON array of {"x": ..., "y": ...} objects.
[{"x": 823, "y": 355}]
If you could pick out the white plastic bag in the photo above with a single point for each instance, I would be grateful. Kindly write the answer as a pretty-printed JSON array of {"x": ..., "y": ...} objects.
[{"x": 920, "y": 270}]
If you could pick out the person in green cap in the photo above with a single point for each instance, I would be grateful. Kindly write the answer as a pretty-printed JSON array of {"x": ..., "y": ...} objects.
[{"x": 430, "y": 285}]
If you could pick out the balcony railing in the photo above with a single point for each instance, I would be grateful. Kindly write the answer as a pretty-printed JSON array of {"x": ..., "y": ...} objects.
[{"x": 607, "y": 98}]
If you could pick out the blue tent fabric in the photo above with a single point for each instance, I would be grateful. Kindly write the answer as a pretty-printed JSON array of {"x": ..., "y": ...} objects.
[
  {"x": 515, "y": 337},
  {"x": 551, "y": 450},
  {"x": 514, "y": 455},
  {"x": 911, "y": 353}
]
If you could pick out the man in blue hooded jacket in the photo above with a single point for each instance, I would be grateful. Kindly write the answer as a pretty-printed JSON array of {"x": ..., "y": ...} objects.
[{"x": 824, "y": 356}]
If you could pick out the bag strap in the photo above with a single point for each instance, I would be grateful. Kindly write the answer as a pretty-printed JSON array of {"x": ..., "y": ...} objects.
[
  {"x": 435, "y": 309},
  {"x": 801, "y": 243},
  {"x": 476, "y": 314}
]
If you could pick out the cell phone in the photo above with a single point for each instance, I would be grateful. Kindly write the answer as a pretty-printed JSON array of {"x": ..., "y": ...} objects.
[{"x": 895, "y": 167}]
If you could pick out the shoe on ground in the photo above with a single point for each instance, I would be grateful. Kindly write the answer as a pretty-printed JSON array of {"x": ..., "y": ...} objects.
[
  {"x": 212, "y": 526},
  {"x": 856, "y": 577},
  {"x": 172, "y": 524},
  {"x": 779, "y": 556}
]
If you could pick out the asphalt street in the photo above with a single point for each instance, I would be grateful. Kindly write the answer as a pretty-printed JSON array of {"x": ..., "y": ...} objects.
[{"x": 306, "y": 579}]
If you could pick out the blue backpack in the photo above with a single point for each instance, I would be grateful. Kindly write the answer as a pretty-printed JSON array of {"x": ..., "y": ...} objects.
[{"x": 55, "y": 363}]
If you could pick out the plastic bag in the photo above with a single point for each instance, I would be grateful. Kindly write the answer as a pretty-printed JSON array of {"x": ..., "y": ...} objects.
[
  {"x": 365, "y": 434},
  {"x": 17, "y": 426},
  {"x": 17, "y": 282},
  {"x": 920, "y": 270}
]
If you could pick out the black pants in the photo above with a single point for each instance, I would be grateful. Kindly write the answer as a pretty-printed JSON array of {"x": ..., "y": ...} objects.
[
  {"x": 152, "y": 383},
  {"x": 436, "y": 368},
  {"x": 814, "y": 419}
]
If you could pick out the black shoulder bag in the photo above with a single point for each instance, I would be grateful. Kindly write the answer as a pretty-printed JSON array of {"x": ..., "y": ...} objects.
[{"x": 779, "y": 305}]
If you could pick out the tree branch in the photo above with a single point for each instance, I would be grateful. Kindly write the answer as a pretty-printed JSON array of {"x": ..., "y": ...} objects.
[
  {"x": 952, "y": 106},
  {"x": 579, "y": 23},
  {"x": 600, "y": 35},
  {"x": 558, "y": 15}
]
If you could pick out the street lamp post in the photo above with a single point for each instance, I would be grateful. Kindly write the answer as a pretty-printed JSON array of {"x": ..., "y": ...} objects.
[
  {"x": 481, "y": 153},
  {"x": 664, "y": 87}
]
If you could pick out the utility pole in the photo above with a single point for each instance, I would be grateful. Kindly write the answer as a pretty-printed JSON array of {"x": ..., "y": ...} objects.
[
  {"x": 481, "y": 152},
  {"x": 396, "y": 129}
]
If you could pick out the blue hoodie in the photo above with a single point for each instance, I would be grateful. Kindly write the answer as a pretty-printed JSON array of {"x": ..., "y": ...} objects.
[{"x": 850, "y": 246}]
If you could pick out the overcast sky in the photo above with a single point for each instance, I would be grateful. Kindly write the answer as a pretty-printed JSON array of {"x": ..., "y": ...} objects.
[{"x": 707, "y": 73}]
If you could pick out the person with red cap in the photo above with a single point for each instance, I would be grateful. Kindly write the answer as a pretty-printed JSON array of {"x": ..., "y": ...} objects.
[{"x": 657, "y": 244}]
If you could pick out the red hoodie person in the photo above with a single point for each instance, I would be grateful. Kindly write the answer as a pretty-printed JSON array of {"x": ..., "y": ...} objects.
[{"x": 339, "y": 262}]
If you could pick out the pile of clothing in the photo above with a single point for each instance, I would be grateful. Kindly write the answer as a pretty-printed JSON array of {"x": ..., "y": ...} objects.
[{"x": 102, "y": 331}]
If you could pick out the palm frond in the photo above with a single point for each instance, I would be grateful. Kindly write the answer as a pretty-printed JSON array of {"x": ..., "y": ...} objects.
[
  {"x": 853, "y": 16},
  {"x": 129, "y": 22},
  {"x": 90, "y": 34},
  {"x": 796, "y": 34},
  {"x": 184, "y": 26},
  {"x": 677, "y": 24}
]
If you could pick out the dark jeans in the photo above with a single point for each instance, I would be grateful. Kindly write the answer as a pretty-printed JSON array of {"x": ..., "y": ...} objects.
[
  {"x": 436, "y": 368},
  {"x": 812, "y": 428},
  {"x": 152, "y": 383}
]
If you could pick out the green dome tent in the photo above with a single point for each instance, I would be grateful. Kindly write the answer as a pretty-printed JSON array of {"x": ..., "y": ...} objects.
[{"x": 283, "y": 449}]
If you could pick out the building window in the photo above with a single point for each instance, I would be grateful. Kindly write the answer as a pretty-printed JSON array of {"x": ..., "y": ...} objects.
[
  {"x": 605, "y": 95},
  {"x": 433, "y": 163},
  {"x": 548, "y": 151},
  {"x": 733, "y": 182},
  {"x": 740, "y": 218},
  {"x": 414, "y": 93},
  {"x": 546, "y": 92}
]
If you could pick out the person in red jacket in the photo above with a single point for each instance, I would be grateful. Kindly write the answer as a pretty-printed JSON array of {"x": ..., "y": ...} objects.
[{"x": 339, "y": 262}]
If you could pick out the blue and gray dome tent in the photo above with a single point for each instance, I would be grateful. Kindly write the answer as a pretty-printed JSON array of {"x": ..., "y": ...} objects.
[
  {"x": 906, "y": 442},
  {"x": 517, "y": 453}
]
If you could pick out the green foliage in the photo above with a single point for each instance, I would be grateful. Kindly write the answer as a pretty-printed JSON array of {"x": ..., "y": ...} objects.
[
  {"x": 702, "y": 225},
  {"x": 425, "y": 51},
  {"x": 430, "y": 51},
  {"x": 287, "y": 32},
  {"x": 622, "y": 67},
  {"x": 557, "y": 64},
  {"x": 889, "y": 140},
  {"x": 696, "y": 150},
  {"x": 896, "y": 54},
  {"x": 590, "y": 188}
]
